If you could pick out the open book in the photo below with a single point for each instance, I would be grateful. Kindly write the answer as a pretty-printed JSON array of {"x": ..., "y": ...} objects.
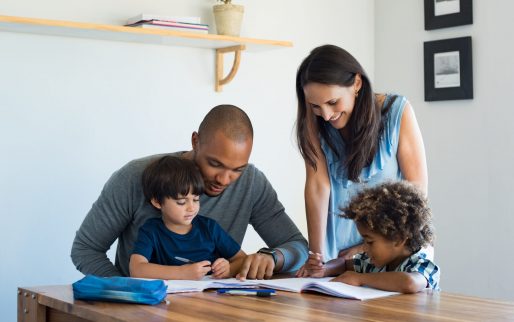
[
  {"x": 182, "y": 286},
  {"x": 320, "y": 285}
]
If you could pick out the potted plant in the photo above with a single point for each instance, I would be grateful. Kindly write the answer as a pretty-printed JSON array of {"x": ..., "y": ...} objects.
[{"x": 228, "y": 17}]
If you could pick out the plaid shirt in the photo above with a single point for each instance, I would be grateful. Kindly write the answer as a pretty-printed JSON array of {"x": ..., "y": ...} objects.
[{"x": 417, "y": 262}]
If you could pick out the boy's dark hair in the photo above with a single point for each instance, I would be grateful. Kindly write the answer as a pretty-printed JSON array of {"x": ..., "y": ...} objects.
[
  {"x": 171, "y": 176},
  {"x": 395, "y": 210}
]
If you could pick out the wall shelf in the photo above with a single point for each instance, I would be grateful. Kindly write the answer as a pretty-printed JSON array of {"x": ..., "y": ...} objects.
[{"x": 221, "y": 44}]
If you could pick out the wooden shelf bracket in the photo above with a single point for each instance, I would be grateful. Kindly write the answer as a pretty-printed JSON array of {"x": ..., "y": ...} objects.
[{"x": 220, "y": 81}]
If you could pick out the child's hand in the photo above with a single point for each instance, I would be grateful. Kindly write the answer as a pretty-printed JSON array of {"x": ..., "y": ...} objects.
[
  {"x": 221, "y": 268},
  {"x": 349, "y": 277},
  {"x": 195, "y": 271}
]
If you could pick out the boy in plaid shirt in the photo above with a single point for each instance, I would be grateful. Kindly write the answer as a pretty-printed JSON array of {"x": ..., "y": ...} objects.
[{"x": 395, "y": 223}]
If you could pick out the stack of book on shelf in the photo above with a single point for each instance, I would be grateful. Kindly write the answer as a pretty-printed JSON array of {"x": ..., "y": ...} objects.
[{"x": 186, "y": 24}]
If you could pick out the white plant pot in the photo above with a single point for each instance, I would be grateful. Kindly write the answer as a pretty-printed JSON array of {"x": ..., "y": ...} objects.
[{"x": 228, "y": 18}]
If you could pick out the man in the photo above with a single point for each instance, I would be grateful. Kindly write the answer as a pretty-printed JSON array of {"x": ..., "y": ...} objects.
[{"x": 236, "y": 194}]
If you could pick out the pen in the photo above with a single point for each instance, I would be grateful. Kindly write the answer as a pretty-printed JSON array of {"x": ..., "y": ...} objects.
[
  {"x": 188, "y": 261},
  {"x": 182, "y": 259},
  {"x": 256, "y": 292}
]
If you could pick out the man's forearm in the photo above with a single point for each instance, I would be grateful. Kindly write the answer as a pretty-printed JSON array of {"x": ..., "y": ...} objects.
[
  {"x": 89, "y": 261},
  {"x": 294, "y": 254}
]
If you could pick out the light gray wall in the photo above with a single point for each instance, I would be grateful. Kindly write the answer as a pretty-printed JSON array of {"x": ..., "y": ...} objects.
[
  {"x": 469, "y": 143},
  {"x": 74, "y": 110}
]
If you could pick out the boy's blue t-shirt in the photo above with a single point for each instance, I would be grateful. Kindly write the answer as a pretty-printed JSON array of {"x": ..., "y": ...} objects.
[{"x": 206, "y": 241}]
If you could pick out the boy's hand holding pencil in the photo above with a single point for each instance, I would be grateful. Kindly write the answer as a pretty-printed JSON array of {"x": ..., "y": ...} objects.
[{"x": 194, "y": 271}]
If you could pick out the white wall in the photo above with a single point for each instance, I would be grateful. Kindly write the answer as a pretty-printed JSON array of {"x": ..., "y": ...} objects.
[
  {"x": 469, "y": 143},
  {"x": 74, "y": 110}
]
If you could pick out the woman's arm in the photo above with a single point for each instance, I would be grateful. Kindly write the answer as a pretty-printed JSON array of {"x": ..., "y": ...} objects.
[
  {"x": 140, "y": 267},
  {"x": 317, "y": 194},
  {"x": 404, "y": 282},
  {"x": 411, "y": 151},
  {"x": 411, "y": 155}
]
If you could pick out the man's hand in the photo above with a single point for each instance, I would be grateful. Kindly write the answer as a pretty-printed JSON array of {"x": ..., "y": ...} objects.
[
  {"x": 195, "y": 271},
  {"x": 221, "y": 268},
  {"x": 349, "y": 277},
  {"x": 256, "y": 266}
]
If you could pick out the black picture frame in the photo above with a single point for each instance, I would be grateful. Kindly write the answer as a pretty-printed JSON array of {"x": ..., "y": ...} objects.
[
  {"x": 464, "y": 15},
  {"x": 448, "y": 69}
]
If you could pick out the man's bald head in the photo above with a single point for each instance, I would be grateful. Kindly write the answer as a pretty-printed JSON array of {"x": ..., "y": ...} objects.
[{"x": 230, "y": 120}]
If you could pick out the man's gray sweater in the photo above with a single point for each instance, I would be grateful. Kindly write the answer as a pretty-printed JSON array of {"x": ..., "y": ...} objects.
[{"x": 121, "y": 208}]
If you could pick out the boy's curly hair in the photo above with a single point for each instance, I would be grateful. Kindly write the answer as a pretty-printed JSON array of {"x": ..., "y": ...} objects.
[{"x": 395, "y": 210}]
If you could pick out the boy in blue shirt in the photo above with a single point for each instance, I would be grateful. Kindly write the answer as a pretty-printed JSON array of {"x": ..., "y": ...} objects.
[
  {"x": 180, "y": 244},
  {"x": 395, "y": 223}
]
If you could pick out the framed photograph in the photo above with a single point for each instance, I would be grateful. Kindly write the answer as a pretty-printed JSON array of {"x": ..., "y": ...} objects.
[
  {"x": 447, "y": 13},
  {"x": 448, "y": 69}
]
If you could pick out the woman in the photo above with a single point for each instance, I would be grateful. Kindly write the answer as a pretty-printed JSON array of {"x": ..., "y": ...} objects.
[{"x": 349, "y": 137}]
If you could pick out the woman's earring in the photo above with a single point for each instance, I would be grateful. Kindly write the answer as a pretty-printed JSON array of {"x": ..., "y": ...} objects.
[{"x": 356, "y": 93}]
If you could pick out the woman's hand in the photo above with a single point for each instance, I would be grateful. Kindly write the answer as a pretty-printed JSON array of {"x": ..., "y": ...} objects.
[{"x": 313, "y": 267}]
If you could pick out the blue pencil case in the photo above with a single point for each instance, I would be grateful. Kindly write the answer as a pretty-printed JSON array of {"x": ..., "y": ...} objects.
[{"x": 119, "y": 289}]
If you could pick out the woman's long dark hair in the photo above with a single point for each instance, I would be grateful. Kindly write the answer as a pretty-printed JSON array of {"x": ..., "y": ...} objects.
[{"x": 333, "y": 65}]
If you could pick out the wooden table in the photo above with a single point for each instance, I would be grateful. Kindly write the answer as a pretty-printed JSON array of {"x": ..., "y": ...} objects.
[{"x": 55, "y": 303}]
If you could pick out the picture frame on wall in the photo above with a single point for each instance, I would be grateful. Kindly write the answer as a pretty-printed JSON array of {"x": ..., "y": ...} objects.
[
  {"x": 447, "y": 13},
  {"x": 448, "y": 69}
]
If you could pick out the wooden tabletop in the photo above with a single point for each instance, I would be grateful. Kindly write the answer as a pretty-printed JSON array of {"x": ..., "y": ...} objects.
[{"x": 56, "y": 303}]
